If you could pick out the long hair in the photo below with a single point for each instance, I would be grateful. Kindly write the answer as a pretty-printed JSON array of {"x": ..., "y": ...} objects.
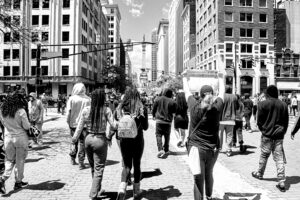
[
  {"x": 10, "y": 105},
  {"x": 181, "y": 103},
  {"x": 132, "y": 101},
  {"x": 97, "y": 108}
]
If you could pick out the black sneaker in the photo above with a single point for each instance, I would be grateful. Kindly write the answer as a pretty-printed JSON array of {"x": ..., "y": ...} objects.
[
  {"x": 281, "y": 187},
  {"x": 20, "y": 185},
  {"x": 2, "y": 186}
]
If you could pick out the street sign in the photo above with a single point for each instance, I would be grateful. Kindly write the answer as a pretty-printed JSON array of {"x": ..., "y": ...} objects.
[{"x": 51, "y": 54}]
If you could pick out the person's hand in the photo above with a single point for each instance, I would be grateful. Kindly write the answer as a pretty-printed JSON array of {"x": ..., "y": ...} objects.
[
  {"x": 292, "y": 136},
  {"x": 109, "y": 142},
  {"x": 153, "y": 118},
  {"x": 74, "y": 140}
]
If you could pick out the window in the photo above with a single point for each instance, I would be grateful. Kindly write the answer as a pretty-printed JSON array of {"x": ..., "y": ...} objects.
[
  {"x": 45, "y": 3},
  {"x": 34, "y": 36},
  {"x": 228, "y": 2},
  {"x": 6, "y": 54},
  {"x": 263, "y": 18},
  {"x": 229, "y": 63},
  {"x": 44, "y": 70},
  {"x": 7, "y": 37},
  {"x": 35, "y": 20},
  {"x": 246, "y": 48},
  {"x": 6, "y": 71},
  {"x": 247, "y": 64},
  {"x": 66, "y": 20},
  {"x": 45, "y": 36},
  {"x": 263, "y": 3},
  {"x": 65, "y": 36},
  {"x": 15, "y": 70},
  {"x": 7, "y": 20},
  {"x": 16, "y": 37},
  {"x": 245, "y": 32},
  {"x": 33, "y": 53},
  {"x": 263, "y": 65},
  {"x": 65, "y": 53},
  {"x": 66, "y": 3},
  {"x": 16, "y": 20},
  {"x": 246, "y": 3},
  {"x": 246, "y": 17},
  {"x": 17, "y": 4},
  {"x": 228, "y": 16},
  {"x": 35, "y": 4},
  {"x": 65, "y": 70},
  {"x": 45, "y": 20},
  {"x": 263, "y": 48},
  {"x": 263, "y": 33},
  {"x": 15, "y": 54},
  {"x": 229, "y": 32},
  {"x": 33, "y": 70},
  {"x": 229, "y": 47}
]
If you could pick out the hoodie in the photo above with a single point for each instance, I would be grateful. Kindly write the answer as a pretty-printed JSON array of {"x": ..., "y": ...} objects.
[
  {"x": 36, "y": 110},
  {"x": 164, "y": 108},
  {"x": 272, "y": 115},
  {"x": 76, "y": 103}
]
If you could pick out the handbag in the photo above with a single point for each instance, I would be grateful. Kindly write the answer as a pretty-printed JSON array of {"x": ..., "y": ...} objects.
[{"x": 33, "y": 132}]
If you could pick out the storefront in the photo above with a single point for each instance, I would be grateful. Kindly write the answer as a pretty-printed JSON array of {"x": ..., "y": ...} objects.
[{"x": 246, "y": 85}]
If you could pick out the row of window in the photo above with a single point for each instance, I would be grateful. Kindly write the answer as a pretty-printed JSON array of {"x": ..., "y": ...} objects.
[
  {"x": 246, "y": 48},
  {"x": 247, "y": 3},
  {"x": 245, "y": 17},
  {"x": 15, "y": 70},
  {"x": 45, "y": 20},
  {"x": 14, "y": 20},
  {"x": 14, "y": 4},
  {"x": 203, "y": 6},
  {"x": 45, "y": 4},
  {"x": 247, "y": 33},
  {"x": 15, "y": 53}
]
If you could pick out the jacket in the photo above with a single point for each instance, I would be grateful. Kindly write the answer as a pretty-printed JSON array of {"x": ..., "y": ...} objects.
[
  {"x": 248, "y": 105},
  {"x": 164, "y": 108},
  {"x": 76, "y": 103},
  {"x": 272, "y": 115},
  {"x": 229, "y": 107}
]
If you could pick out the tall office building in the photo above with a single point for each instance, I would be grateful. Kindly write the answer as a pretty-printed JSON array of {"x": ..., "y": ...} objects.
[
  {"x": 113, "y": 15},
  {"x": 175, "y": 38},
  {"x": 162, "y": 48},
  {"x": 58, "y": 26},
  {"x": 154, "y": 55},
  {"x": 240, "y": 35}
]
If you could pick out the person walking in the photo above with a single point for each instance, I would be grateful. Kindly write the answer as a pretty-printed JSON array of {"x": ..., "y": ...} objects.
[
  {"x": 132, "y": 148},
  {"x": 255, "y": 101},
  {"x": 248, "y": 105},
  {"x": 75, "y": 105},
  {"x": 238, "y": 128},
  {"x": 203, "y": 141},
  {"x": 44, "y": 100},
  {"x": 95, "y": 118},
  {"x": 16, "y": 123},
  {"x": 272, "y": 121},
  {"x": 181, "y": 119},
  {"x": 163, "y": 109},
  {"x": 227, "y": 122},
  {"x": 295, "y": 105},
  {"x": 36, "y": 114}
]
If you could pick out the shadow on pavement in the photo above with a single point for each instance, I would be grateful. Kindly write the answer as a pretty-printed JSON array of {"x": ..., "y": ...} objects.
[
  {"x": 161, "y": 193},
  {"x": 177, "y": 153},
  {"x": 235, "y": 153},
  {"x": 250, "y": 147},
  {"x": 38, "y": 148},
  {"x": 51, "y": 119},
  {"x": 150, "y": 174},
  {"x": 290, "y": 180},
  {"x": 242, "y": 196},
  {"x": 111, "y": 162},
  {"x": 33, "y": 160},
  {"x": 48, "y": 143},
  {"x": 109, "y": 195}
]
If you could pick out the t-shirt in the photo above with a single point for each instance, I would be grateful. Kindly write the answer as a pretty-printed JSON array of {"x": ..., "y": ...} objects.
[{"x": 206, "y": 135}]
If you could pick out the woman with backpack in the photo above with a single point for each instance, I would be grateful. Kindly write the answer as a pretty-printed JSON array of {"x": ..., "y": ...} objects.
[
  {"x": 132, "y": 148},
  {"x": 181, "y": 119},
  {"x": 95, "y": 118}
]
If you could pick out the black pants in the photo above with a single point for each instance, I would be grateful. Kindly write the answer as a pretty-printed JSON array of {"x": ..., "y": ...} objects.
[
  {"x": 132, "y": 151},
  {"x": 254, "y": 111},
  {"x": 248, "y": 117},
  {"x": 163, "y": 130}
]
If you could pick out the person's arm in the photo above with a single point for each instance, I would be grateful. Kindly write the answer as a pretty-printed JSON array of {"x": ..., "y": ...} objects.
[
  {"x": 186, "y": 89},
  {"x": 80, "y": 125},
  {"x": 295, "y": 128},
  {"x": 144, "y": 119},
  {"x": 154, "y": 108},
  {"x": 260, "y": 115},
  {"x": 68, "y": 111},
  {"x": 24, "y": 119},
  {"x": 41, "y": 111},
  {"x": 113, "y": 124}
]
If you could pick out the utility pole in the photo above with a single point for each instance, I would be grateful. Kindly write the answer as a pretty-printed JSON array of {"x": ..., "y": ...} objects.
[{"x": 38, "y": 67}]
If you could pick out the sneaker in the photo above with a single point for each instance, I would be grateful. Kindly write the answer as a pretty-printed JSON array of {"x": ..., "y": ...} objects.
[
  {"x": 281, "y": 187},
  {"x": 229, "y": 153},
  {"x": 100, "y": 193},
  {"x": 2, "y": 186},
  {"x": 179, "y": 144},
  {"x": 20, "y": 185},
  {"x": 243, "y": 148},
  {"x": 73, "y": 162},
  {"x": 257, "y": 175},
  {"x": 160, "y": 153}
]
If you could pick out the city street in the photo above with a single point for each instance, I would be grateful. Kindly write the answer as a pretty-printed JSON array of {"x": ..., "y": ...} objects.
[{"x": 51, "y": 176}]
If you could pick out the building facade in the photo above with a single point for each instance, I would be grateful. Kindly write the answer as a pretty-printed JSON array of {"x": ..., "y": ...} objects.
[
  {"x": 188, "y": 17},
  {"x": 154, "y": 55},
  {"x": 113, "y": 15},
  {"x": 237, "y": 35},
  {"x": 64, "y": 28},
  {"x": 162, "y": 48},
  {"x": 175, "y": 38}
]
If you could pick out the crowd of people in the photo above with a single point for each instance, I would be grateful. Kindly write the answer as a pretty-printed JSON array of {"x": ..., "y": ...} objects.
[{"x": 94, "y": 120}]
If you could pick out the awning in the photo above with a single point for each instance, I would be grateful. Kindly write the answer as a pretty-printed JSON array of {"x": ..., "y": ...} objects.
[{"x": 288, "y": 85}]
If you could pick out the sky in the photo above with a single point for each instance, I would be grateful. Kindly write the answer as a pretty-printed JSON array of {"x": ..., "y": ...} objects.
[{"x": 139, "y": 18}]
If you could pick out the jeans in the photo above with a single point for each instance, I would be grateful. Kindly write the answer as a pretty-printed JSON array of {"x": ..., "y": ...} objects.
[
  {"x": 238, "y": 132},
  {"x": 247, "y": 118},
  {"x": 208, "y": 159},
  {"x": 132, "y": 151},
  {"x": 163, "y": 130},
  {"x": 229, "y": 135},
  {"x": 79, "y": 146},
  {"x": 16, "y": 149},
  {"x": 96, "y": 150},
  {"x": 275, "y": 147}
]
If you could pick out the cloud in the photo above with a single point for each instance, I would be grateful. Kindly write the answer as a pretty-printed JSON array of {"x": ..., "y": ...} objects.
[
  {"x": 165, "y": 9},
  {"x": 136, "y": 7}
]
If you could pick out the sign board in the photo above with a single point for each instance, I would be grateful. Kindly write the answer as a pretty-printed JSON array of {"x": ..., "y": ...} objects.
[{"x": 51, "y": 54}]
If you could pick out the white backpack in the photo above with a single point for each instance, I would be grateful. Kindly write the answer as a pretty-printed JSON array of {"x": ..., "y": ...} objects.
[{"x": 127, "y": 127}]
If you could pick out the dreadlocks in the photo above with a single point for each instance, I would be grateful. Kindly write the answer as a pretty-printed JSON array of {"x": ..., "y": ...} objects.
[{"x": 10, "y": 105}]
